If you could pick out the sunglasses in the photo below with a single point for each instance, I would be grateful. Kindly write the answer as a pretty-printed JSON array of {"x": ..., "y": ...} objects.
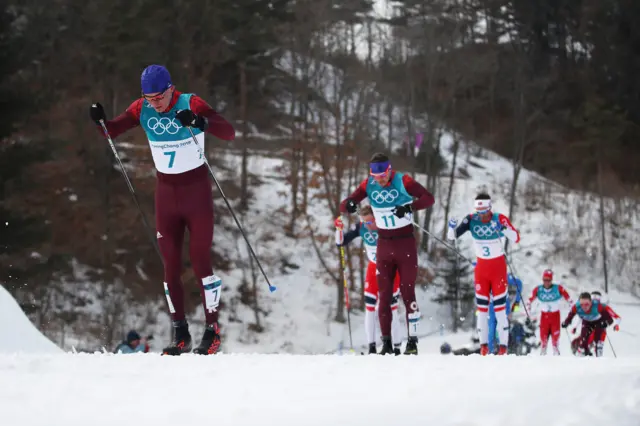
[
  {"x": 156, "y": 98},
  {"x": 380, "y": 169},
  {"x": 368, "y": 222}
]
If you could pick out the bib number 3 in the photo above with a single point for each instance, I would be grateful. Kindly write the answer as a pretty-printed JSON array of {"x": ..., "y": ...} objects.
[{"x": 485, "y": 251}]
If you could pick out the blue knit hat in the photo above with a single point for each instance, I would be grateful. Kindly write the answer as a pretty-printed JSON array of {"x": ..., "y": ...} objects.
[{"x": 155, "y": 79}]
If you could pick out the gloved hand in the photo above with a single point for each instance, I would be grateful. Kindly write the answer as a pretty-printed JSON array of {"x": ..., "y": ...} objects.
[
  {"x": 453, "y": 223},
  {"x": 96, "y": 112},
  {"x": 188, "y": 118},
  {"x": 351, "y": 206},
  {"x": 401, "y": 211},
  {"x": 338, "y": 223},
  {"x": 574, "y": 330},
  {"x": 565, "y": 324},
  {"x": 528, "y": 323},
  {"x": 496, "y": 226}
]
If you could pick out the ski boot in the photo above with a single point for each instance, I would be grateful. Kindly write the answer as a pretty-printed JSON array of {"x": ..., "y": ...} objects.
[
  {"x": 372, "y": 348},
  {"x": 181, "y": 341},
  {"x": 543, "y": 350},
  {"x": 387, "y": 348},
  {"x": 210, "y": 341},
  {"x": 556, "y": 351},
  {"x": 599, "y": 349},
  {"x": 396, "y": 349},
  {"x": 484, "y": 349},
  {"x": 412, "y": 346},
  {"x": 502, "y": 350}
]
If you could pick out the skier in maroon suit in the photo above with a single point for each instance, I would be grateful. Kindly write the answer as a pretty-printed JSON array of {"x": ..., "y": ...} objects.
[{"x": 183, "y": 192}]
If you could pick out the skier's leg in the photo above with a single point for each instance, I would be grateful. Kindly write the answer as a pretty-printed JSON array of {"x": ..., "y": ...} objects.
[
  {"x": 544, "y": 332},
  {"x": 492, "y": 331},
  {"x": 554, "y": 328},
  {"x": 385, "y": 272},
  {"x": 396, "y": 328},
  {"x": 500, "y": 296},
  {"x": 482, "y": 287},
  {"x": 370, "y": 299},
  {"x": 599, "y": 336},
  {"x": 170, "y": 234},
  {"x": 197, "y": 206},
  {"x": 407, "y": 259}
]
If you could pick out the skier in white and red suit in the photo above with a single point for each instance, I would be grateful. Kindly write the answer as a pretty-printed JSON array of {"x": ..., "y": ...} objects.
[
  {"x": 490, "y": 274},
  {"x": 547, "y": 297}
]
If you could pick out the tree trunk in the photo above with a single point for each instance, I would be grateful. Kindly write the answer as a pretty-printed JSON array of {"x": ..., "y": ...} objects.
[
  {"x": 244, "y": 192},
  {"x": 602, "y": 223}
]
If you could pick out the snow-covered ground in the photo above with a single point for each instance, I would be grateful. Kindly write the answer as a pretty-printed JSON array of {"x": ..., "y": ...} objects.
[
  {"x": 279, "y": 390},
  {"x": 17, "y": 333}
]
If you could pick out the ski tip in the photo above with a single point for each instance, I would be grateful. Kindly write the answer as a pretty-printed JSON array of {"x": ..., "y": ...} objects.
[{"x": 272, "y": 288}]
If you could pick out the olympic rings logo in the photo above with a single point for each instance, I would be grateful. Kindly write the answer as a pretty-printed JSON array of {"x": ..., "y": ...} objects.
[
  {"x": 384, "y": 196},
  {"x": 163, "y": 125},
  {"x": 370, "y": 237},
  {"x": 482, "y": 231}
]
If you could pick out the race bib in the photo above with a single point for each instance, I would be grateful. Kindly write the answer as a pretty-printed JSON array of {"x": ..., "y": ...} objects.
[
  {"x": 488, "y": 249},
  {"x": 173, "y": 157},
  {"x": 385, "y": 219}
]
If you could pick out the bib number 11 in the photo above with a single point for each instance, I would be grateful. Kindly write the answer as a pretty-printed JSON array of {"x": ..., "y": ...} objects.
[{"x": 389, "y": 220}]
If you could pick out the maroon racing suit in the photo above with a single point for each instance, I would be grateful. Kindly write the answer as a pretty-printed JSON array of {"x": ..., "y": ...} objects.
[
  {"x": 595, "y": 322},
  {"x": 397, "y": 253},
  {"x": 182, "y": 200}
]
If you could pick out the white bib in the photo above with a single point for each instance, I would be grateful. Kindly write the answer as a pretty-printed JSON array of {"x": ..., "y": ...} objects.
[
  {"x": 179, "y": 156},
  {"x": 385, "y": 219}
]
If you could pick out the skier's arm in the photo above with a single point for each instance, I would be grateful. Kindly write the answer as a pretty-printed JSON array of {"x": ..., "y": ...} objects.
[
  {"x": 217, "y": 125},
  {"x": 572, "y": 313},
  {"x": 508, "y": 230},
  {"x": 453, "y": 234},
  {"x": 565, "y": 295},
  {"x": 349, "y": 236},
  {"x": 519, "y": 291},
  {"x": 125, "y": 121},
  {"x": 615, "y": 316},
  {"x": 424, "y": 198},
  {"x": 356, "y": 196}
]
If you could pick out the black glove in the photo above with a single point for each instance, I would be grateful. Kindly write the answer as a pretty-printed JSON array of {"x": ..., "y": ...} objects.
[
  {"x": 351, "y": 206},
  {"x": 97, "y": 113},
  {"x": 400, "y": 211},
  {"x": 565, "y": 324},
  {"x": 188, "y": 118}
]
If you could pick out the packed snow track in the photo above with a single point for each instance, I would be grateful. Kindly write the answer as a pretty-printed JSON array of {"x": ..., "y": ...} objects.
[{"x": 100, "y": 389}]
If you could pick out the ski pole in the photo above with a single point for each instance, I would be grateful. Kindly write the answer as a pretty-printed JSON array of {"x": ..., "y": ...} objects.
[
  {"x": 154, "y": 241},
  {"x": 612, "y": 350},
  {"x": 272, "y": 288},
  {"x": 346, "y": 293},
  {"x": 524, "y": 305},
  {"x": 449, "y": 246}
]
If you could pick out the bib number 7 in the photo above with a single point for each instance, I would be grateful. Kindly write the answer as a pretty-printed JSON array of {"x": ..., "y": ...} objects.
[{"x": 172, "y": 157}]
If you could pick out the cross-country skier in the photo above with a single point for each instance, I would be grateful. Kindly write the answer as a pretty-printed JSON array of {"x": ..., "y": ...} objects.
[
  {"x": 367, "y": 230},
  {"x": 595, "y": 319},
  {"x": 490, "y": 274},
  {"x": 183, "y": 195},
  {"x": 391, "y": 195},
  {"x": 596, "y": 295},
  {"x": 548, "y": 298}
]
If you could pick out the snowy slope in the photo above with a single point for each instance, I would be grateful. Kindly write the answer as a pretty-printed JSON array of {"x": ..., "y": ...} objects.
[
  {"x": 17, "y": 333},
  {"x": 283, "y": 390}
]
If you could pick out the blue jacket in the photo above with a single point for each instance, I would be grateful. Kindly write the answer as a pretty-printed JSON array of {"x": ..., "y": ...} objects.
[{"x": 124, "y": 348}]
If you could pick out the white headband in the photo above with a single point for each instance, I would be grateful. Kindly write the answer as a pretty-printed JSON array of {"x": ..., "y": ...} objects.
[{"x": 482, "y": 205}]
